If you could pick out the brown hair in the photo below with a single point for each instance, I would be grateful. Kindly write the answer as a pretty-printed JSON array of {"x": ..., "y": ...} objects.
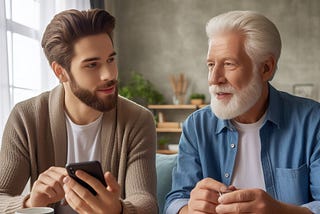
[{"x": 69, "y": 26}]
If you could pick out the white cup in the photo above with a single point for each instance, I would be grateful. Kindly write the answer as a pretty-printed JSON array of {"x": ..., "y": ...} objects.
[{"x": 36, "y": 210}]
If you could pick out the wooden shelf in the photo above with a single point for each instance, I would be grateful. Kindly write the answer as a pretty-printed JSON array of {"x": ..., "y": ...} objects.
[
  {"x": 168, "y": 129},
  {"x": 203, "y": 105},
  {"x": 166, "y": 151},
  {"x": 187, "y": 106},
  {"x": 172, "y": 129}
]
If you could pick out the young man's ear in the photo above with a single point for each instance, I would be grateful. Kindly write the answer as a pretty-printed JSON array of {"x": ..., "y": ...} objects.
[
  {"x": 59, "y": 71},
  {"x": 269, "y": 68}
]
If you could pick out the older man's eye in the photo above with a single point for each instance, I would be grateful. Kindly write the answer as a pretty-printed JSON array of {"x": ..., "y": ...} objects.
[
  {"x": 230, "y": 65},
  {"x": 110, "y": 60},
  {"x": 210, "y": 65}
]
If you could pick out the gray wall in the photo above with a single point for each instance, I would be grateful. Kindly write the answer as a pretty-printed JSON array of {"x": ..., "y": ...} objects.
[{"x": 164, "y": 37}]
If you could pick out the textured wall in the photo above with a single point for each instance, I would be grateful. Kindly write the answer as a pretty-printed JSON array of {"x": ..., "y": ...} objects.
[{"x": 163, "y": 37}]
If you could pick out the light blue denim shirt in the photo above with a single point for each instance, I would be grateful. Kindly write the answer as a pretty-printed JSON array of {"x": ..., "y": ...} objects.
[{"x": 290, "y": 152}]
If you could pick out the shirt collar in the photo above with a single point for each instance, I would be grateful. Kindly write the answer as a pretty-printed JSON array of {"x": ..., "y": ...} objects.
[
  {"x": 222, "y": 124},
  {"x": 274, "y": 107},
  {"x": 273, "y": 112}
]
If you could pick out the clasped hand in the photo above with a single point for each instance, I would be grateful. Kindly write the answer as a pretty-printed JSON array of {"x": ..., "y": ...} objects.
[{"x": 211, "y": 196}]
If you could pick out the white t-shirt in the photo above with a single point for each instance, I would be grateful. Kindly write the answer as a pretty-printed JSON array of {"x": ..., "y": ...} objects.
[
  {"x": 83, "y": 145},
  {"x": 248, "y": 171},
  {"x": 83, "y": 141}
]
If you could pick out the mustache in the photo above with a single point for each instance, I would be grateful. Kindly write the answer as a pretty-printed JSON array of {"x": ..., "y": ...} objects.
[
  {"x": 221, "y": 89},
  {"x": 108, "y": 84}
]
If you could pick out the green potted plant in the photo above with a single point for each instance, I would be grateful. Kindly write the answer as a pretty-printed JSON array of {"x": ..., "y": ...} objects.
[
  {"x": 141, "y": 91},
  {"x": 197, "y": 99},
  {"x": 163, "y": 143}
]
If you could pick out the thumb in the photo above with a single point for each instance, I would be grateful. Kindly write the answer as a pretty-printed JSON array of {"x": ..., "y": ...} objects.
[{"x": 112, "y": 183}]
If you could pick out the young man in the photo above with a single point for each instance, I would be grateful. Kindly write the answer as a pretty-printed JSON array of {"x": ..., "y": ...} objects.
[
  {"x": 256, "y": 150},
  {"x": 82, "y": 119}
]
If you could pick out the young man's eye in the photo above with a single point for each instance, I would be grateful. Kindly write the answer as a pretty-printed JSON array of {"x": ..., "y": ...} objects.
[{"x": 91, "y": 65}]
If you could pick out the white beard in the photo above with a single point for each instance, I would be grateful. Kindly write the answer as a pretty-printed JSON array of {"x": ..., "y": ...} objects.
[{"x": 240, "y": 101}]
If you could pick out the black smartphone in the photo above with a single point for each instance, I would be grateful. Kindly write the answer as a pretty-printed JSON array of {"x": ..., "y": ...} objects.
[{"x": 93, "y": 168}]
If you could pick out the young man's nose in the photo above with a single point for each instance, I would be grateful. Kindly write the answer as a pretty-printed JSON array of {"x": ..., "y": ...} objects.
[{"x": 107, "y": 73}]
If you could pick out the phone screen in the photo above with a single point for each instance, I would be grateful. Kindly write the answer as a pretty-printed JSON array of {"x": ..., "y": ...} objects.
[{"x": 93, "y": 168}]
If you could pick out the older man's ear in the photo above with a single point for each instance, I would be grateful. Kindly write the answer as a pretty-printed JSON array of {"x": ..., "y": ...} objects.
[{"x": 268, "y": 69}]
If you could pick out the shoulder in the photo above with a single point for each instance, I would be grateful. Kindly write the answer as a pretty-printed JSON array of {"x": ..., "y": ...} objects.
[
  {"x": 203, "y": 118},
  {"x": 299, "y": 104},
  {"x": 286, "y": 109},
  {"x": 131, "y": 109},
  {"x": 42, "y": 100},
  {"x": 203, "y": 114},
  {"x": 26, "y": 114},
  {"x": 40, "y": 104},
  {"x": 34, "y": 104}
]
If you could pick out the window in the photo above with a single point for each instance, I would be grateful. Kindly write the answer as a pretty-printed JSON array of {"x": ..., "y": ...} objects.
[{"x": 23, "y": 49}]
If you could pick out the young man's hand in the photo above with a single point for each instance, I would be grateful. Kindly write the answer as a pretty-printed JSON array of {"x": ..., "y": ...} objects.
[
  {"x": 83, "y": 201},
  {"x": 48, "y": 188}
]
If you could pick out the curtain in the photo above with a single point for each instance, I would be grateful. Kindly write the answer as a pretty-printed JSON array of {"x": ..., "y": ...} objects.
[
  {"x": 47, "y": 10},
  {"x": 4, "y": 80}
]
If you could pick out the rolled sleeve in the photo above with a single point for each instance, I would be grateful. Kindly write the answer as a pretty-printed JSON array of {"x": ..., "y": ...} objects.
[{"x": 176, "y": 205}]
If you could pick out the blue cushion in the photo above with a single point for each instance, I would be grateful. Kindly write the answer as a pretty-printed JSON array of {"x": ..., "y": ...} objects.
[{"x": 164, "y": 166}]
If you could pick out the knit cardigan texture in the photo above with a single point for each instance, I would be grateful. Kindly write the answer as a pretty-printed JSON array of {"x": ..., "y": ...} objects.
[{"x": 35, "y": 138}]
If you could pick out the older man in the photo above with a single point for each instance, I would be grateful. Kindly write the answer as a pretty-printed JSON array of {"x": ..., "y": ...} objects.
[{"x": 256, "y": 149}]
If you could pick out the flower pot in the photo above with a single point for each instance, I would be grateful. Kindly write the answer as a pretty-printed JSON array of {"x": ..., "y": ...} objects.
[{"x": 196, "y": 101}]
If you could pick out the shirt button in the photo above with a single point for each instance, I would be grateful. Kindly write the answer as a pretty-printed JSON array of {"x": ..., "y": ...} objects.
[
  {"x": 232, "y": 145},
  {"x": 226, "y": 175}
]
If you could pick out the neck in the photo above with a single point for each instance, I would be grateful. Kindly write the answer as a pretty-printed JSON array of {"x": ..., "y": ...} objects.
[
  {"x": 257, "y": 110},
  {"x": 78, "y": 112}
]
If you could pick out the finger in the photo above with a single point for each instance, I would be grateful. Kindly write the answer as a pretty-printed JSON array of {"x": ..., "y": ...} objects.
[
  {"x": 92, "y": 181},
  {"x": 237, "y": 196},
  {"x": 243, "y": 207},
  {"x": 50, "y": 185},
  {"x": 58, "y": 173},
  {"x": 76, "y": 202},
  {"x": 113, "y": 185},
  {"x": 59, "y": 170},
  {"x": 41, "y": 188},
  {"x": 205, "y": 195},
  {"x": 211, "y": 184},
  {"x": 231, "y": 188},
  {"x": 54, "y": 176},
  {"x": 73, "y": 186},
  {"x": 202, "y": 206}
]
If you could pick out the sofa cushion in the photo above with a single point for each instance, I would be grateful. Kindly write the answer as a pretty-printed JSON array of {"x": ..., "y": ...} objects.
[{"x": 164, "y": 166}]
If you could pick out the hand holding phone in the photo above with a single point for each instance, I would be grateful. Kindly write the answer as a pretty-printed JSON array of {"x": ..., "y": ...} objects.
[{"x": 93, "y": 168}]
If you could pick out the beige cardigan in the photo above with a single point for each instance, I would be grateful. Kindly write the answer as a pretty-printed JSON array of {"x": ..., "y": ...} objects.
[{"x": 35, "y": 138}]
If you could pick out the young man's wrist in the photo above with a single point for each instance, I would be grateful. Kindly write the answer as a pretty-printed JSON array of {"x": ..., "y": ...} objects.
[{"x": 26, "y": 203}]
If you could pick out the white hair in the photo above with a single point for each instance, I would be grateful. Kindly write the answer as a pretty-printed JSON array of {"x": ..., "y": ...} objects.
[{"x": 262, "y": 37}]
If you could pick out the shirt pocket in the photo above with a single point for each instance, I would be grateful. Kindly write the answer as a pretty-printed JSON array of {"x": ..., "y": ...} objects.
[{"x": 292, "y": 185}]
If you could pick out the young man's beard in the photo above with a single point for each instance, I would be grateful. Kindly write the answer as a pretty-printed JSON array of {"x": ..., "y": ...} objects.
[
  {"x": 92, "y": 100},
  {"x": 240, "y": 102}
]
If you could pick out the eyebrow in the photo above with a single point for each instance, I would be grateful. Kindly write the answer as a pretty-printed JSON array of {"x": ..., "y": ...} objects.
[{"x": 97, "y": 58}]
